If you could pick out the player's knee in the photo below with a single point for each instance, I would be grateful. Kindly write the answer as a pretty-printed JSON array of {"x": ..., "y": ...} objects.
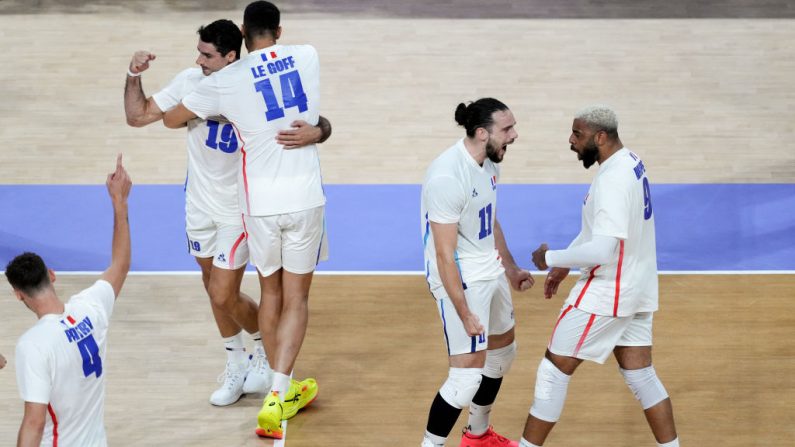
[
  {"x": 220, "y": 297},
  {"x": 461, "y": 386},
  {"x": 645, "y": 385},
  {"x": 499, "y": 361},
  {"x": 550, "y": 392}
]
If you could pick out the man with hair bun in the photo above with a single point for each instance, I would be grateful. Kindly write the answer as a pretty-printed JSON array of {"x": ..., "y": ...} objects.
[
  {"x": 468, "y": 268},
  {"x": 610, "y": 308}
]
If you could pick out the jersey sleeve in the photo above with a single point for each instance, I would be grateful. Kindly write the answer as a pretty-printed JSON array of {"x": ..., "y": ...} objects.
[
  {"x": 99, "y": 297},
  {"x": 611, "y": 207},
  {"x": 205, "y": 100},
  {"x": 34, "y": 375},
  {"x": 168, "y": 98},
  {"x": 444, "y": 200}
]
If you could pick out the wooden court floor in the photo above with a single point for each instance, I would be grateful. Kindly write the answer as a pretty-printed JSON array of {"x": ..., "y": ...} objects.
[{"x": 723, "y": 347}]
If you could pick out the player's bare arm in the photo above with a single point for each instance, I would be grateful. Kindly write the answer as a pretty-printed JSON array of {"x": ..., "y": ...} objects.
[
  {"x": 555, "y": 276},
  {"x": 178, "y": 117},
  {"x": 303, "y": 133},
  {"x": 519, "y": 278},
  {"x": 445, "y": 239},
  {"x": 119, "y": 185},
  {"x": 139, "y": 109},
  {"x": 32, "y": 428}
]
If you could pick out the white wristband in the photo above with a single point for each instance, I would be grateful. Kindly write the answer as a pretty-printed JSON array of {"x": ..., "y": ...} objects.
[{"x": 133, "y": 75}]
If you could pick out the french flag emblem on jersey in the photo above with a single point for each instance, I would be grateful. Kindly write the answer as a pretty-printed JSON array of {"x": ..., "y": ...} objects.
[
  {"x": 69, "y": 321},
  {"x": 264, "y": 56},
  {"x": 493, "y": 182}
]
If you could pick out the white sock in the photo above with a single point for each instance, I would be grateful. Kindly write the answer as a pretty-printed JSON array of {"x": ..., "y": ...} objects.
[
  {"x": 525, "y": 443},
  {"x": 281, "y": 383},
  {"x": 478, "y": 418},
  {"x": 431, "y": 440},
  {"x": 235, "y": 351},
  {"x": 257, "y": 339},
  {"x": 674, "y": 443}
]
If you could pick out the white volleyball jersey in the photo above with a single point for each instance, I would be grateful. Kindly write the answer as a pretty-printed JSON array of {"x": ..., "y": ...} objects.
[
  {"x": 260, "y": 95},
  {"x": 213, "y": 153},
  {"x": 458, "y": 190},
  {"x": 619, "y": 205},
  {"x": 60, "y": 362}
]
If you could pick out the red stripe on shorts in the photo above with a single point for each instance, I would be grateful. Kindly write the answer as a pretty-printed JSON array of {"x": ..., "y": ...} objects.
[
  {"x": 584, "y": 334},
  {"x": 562, "y": 314},
  {"x": 234, "y": 249},
  {"x": 588, "y": 283},
  {"x": 618, "y": 279}
]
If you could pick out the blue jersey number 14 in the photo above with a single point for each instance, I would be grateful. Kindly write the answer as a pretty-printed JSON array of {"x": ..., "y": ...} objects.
[{"x": 292, "y": 95}]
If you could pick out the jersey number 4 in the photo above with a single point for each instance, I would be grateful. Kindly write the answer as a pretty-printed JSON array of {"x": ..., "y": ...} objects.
[
  {"x": 292, "y": 95},
  {"x": 92, "y": 362}
]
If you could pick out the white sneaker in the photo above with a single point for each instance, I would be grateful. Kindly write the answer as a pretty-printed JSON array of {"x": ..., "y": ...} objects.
[
  {"x": 231, "y": 381},
  {"x": 260, "y": 374}
]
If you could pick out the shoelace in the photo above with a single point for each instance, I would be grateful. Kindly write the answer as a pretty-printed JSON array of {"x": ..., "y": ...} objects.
[
  {"x": 259, "y": 363},
  {"x": 228, "y": 374}
]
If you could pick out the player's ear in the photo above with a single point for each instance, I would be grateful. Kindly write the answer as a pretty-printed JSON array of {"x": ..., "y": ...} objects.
[
  {"x": 51, "y": 272},
  {"x": 278, "y": 33},
  {"x": 482, "y": 134}
]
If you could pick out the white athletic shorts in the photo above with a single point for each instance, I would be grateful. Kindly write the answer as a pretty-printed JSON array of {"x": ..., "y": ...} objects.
[
  {"x": 296, "y": 241},
  {"x": 593, "y": 337},
  {"x": 490, "y": 301},
  {"x": 221, "y": 238}
]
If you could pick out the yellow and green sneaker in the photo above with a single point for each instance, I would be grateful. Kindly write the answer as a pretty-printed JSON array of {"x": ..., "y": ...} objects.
[
  {"x": 299, "y": 395},
  {"x": 274, "y": 411},
  {"x": 269, "y": 418}
]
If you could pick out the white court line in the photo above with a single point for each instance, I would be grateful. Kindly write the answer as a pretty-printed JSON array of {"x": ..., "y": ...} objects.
[{"x": 421, "y": 273}]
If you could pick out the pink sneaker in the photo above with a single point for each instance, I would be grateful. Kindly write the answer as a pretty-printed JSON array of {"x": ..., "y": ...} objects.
[{"x": 488, "y": 439}]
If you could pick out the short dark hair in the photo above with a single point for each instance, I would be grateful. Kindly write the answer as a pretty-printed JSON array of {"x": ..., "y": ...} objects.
[
  {"x": 261, "y": 18},
  {"x": 224, "y": 35},
  {"x": 477, "y": 114},
  {"x": 28, "y": 273}
]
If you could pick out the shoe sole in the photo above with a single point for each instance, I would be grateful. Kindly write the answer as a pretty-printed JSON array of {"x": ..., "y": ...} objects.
[{"x": 226, "y": 405}]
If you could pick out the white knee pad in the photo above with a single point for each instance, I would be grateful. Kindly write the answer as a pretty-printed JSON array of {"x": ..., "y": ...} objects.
[
  {"x": 645, "y": 385},
  {"x": 550, "y": 394},
  {"x": 461, "y": 386},
  {"x": 499, "y": 361}
]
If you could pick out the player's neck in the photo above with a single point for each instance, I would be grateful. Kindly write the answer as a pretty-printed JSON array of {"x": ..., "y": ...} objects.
[
  {"x": 260, "y": 43},
  {"x": 608, "y": 150},
  {"x": 476, "y": 150},
  {"x": 47, "y": 303}
]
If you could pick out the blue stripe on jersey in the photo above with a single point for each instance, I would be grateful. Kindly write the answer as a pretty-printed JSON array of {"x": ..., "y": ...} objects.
[
  {"x": 458, "y": 264},
  {"x": 444, "y": 327},
  {"x": 474, "y": 343},
  {"x": 427, "y": 231}
]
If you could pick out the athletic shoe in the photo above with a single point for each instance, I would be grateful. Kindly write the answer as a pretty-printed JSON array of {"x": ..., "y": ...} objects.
[
  {"x": 299, "y": 396},
  {"x": 231, "y": 389},
  {"x": 488, "y": 439},
  {"x": 260, "y": 374},
  {"x": 269, "y": 418},
  {"x": 274, "y": 411}
]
